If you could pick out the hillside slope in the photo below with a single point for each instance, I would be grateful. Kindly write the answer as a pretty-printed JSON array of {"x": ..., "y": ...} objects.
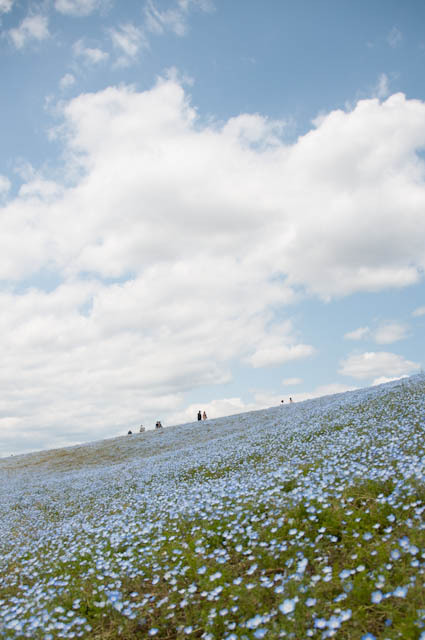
[{"x": 298, "y": 521}]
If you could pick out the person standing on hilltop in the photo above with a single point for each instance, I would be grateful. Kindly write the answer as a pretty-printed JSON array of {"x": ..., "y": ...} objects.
[
  {"x": 199, "y": 415},
  {"x": 204, "y": 416}
]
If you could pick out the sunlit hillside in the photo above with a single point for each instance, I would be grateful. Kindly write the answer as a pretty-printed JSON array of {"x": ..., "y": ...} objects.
[{"x": 300, "y": 521}]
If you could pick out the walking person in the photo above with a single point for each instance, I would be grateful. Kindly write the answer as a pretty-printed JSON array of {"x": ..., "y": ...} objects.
[
  {"x": 204, "y": 416},
  {"x": 199, "y": 415}
]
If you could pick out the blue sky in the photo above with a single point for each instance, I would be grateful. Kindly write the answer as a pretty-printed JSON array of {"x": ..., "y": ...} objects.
[{"x": 205, "y": 204}]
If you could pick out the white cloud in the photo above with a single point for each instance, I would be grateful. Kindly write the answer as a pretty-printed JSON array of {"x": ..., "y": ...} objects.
[
  {"x": 79, "y": 7},
  {"x": 273, "y": 353},
  {"x": 277, "y": 346},
  {"x": 173, "y": 19},
  {"x": 291, "y": 381},
  {"x": 4, "y": 185},
  {"x": 33, "y": 27},
  {"x": 358, "y": 334},
  {"x": 222, "y": 407},
  {"x": 91, "y": 55},
  {"x": 377, "y": 365},
  {"x": 323, "y": 390},
  {"x": 382, "y": 89},
  {"x": 420, "y": 311},
  {"x": 384, "y": 379},
  {"x": 386, "y": 334},
  {"x": 6, "y": 6},
  {"x": 395, "y": 37},
  {"x": 68, "y": 80},
  {"x": 207, "y": 229},
  {"x": 128, "y": 40}
]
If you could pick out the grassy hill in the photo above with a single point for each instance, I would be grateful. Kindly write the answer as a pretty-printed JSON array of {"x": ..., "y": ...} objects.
[{"x": 300, "y": 521}]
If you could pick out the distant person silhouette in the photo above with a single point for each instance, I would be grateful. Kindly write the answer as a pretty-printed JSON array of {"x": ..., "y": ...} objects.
[
  {"x": 142, "y": 429},
  {"x": 204, "y": 416},
  {"x": 290, "y": 400},
  {"x": 199, "y": 415},
  {"x": 129, "y": 432}
]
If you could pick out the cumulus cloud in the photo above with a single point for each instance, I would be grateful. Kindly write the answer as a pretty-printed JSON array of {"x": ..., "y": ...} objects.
[
  {"x": 91, "y": 55},
  {"x": 33, "y": 27},
  {"x": 377, "y": 365},
  {"x": 176, "y": 248}
]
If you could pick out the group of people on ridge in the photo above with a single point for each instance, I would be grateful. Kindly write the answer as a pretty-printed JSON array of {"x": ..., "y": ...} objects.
[
  {"x": 142, "y": 429},
  {"x": 201, "y": 416}
]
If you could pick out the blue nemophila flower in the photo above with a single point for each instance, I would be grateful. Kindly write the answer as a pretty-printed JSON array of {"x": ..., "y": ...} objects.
[
  {"x": 254, "y": 622},
  {"x": 345, "y": 615},
  {"x": 376, "y": 597},
  {"x": 215, "y": 576},
  {"x": 400, "y": 592},
  {"x": 260, "y": 633},
  {"x": 320, "y": 623},
  {"x": 252, "y": 569},
  {"x": 311, "y": 602},
  {"x": 288, "y": 605},
  {"x": 368, "y": 636}
]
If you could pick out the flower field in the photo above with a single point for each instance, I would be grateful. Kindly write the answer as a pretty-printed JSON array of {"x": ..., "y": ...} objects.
[{"x": 300, "y": 521}]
